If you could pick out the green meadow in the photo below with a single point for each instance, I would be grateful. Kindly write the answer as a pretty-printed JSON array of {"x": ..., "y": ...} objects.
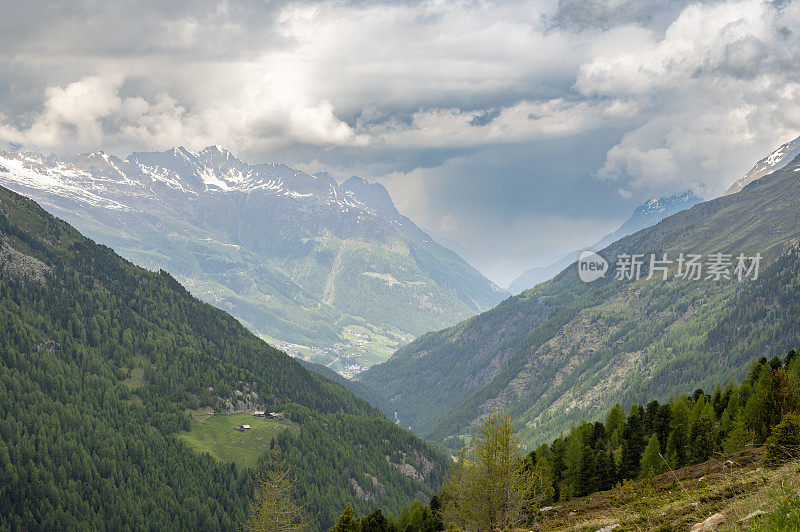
[{"x": 218, "y": 436}]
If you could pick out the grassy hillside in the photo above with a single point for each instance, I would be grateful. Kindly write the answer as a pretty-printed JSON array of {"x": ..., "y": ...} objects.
[
  {"x": 734, "y": 485},
  {"x": 219, "y": 436},
  {"x": 566, "y": 350},
  {"x": 100, "y": 361}
]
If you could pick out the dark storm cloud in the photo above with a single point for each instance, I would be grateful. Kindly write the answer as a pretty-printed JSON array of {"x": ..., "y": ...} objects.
[{"x": 607, "y": 14}]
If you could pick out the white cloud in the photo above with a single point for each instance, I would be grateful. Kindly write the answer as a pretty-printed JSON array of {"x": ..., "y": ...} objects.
[
  {"x": 91, "y": 113},
  {"x": 315, "y": 82},
  {"x": 717, "y": 91},
  {"x": 427, "y": 75},
  {"x": 696, "y": 41},
  {"x": 74, "y": 111},
  {"x": 521, "y": 122}
]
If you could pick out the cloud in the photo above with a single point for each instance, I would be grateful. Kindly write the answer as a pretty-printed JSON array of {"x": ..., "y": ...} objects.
[
  {"x": 721, "y": 79},
  {"x": 696, "y": 42},
  {"x": 92, "y": 113},
  {"x": 577, "y": 15},
  {"x": 567, "y": 101},
  {"x": 328, "y": 73}
]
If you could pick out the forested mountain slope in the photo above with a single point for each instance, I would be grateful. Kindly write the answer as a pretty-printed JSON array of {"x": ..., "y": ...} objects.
[
  {"x": 332, "y": 271},
  {"x": 566, "y": 349},
  {"x": 86, "y": 442}
]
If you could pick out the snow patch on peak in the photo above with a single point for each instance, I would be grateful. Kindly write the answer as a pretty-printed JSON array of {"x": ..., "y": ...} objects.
[
  {"x": 61, "y": 179},
  {"x": 183, "y": 153},
  {"x": 771, "y": 163},
  {"x": 98, "y": 178},
  {"x": 212, "y": 180}
]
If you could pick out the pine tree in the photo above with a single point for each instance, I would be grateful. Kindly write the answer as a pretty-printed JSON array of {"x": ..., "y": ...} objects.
[
  {"x": 652, "y": 464},
  {"x": 703, "y": 442},
  {"x": 633, "y": 444},
  {"x": 605, "y": 471},
  {"x": 662, "y": 424},
  {"x": 678, "y": 442},
  {"x": 739, "y": 437},
  {"x": 376, "y": 522},
  {"x": 585, "y": 483},
  {"x": 780, "y": 398},
  {"x": 347, "y": 522},
  {"x": 614, "y": 423}
]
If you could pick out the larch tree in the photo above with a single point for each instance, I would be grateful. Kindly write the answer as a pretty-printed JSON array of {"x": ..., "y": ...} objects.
[
  {"x": 276, "y": 508},
  {"x": 487, "y": 487}
]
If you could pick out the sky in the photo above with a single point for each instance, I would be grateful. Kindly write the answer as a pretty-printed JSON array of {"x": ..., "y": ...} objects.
[{"x": 513, "y": 131}]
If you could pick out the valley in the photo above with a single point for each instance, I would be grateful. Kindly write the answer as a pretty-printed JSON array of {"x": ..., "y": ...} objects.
[
  {"x": 360, "y": 266},
  {"x": 549, "y": 359},
  {"x": 566, "y": 350},
  {"x": 332, "y": 272}
]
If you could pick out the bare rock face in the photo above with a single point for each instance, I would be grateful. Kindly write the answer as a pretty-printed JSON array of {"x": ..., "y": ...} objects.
[{"x": 22, "y": 265}]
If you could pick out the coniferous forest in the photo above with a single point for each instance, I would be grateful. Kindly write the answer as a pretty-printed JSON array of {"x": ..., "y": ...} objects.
[{"x": 83, "y": 446}]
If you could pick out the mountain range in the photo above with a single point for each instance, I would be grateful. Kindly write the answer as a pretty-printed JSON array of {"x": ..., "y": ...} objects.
[
  {"x": 568, "y": 350},
  {"x": 646, "y": 215},
  {"x": 330, "y": 272}
]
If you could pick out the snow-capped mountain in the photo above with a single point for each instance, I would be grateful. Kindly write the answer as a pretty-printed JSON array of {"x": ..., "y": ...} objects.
[
  {"x": 332, "y": 272},
  {"x": 649, "y": 214},
  {"x": 646, "y": 215},
  {"x": 771, "y": 163},
  {"x": 100, "y": 180}
]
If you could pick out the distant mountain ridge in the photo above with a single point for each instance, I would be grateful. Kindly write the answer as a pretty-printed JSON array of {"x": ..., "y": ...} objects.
[
  {"x": 331, "y": 272},
  {"x": 771, "y": 163},
  {"x": 646, "y": 215}
]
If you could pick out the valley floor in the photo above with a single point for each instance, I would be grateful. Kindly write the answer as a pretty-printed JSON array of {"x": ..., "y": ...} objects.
[{"x": 735, "y": 486}]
